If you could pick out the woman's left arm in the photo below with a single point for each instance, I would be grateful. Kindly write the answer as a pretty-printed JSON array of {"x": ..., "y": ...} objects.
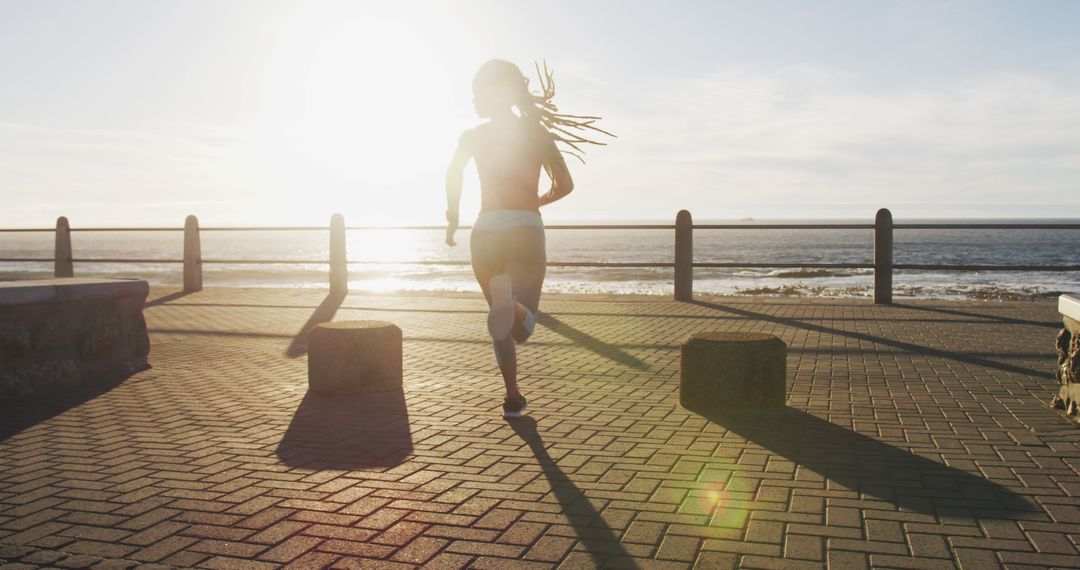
[{"x": 555, "y": 166}]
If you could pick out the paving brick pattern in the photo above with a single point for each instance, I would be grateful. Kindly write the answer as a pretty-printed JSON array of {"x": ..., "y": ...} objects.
[{"x": 916, "y": 436}]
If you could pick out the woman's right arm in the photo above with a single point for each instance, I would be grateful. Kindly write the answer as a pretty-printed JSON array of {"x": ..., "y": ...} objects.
[
  {"x": 555, "y": 166},
  {"x": 454, "y": 175}
]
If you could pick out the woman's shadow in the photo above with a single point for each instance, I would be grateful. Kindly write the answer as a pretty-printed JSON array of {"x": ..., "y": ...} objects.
[{"x": 596, "y": 536}]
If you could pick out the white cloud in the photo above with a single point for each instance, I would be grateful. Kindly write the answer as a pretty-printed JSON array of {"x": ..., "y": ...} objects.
[
  {"x": 798, "y": 142},
  {"x": 808, "y": 141},
  {"x": 109, "y": 176}
]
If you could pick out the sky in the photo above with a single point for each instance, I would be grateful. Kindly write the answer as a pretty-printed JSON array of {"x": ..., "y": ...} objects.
[{"x": 270, "y": 112}]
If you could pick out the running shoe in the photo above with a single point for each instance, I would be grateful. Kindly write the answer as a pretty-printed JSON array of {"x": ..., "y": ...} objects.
[
  {"x": 513, "y": 407},
  {"x": 501, "y": 317}
]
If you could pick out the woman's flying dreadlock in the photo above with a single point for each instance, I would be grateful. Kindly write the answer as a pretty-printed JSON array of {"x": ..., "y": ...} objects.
[{"x": 566, "y": 129}]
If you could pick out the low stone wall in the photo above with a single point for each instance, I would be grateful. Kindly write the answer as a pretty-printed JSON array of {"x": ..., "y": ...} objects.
[
  {"x": 59, "y": 333},
  {"x": 1068, "y": 349}
]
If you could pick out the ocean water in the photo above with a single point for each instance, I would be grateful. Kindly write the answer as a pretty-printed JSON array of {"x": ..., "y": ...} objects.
[{"x": 383, "y": 250}]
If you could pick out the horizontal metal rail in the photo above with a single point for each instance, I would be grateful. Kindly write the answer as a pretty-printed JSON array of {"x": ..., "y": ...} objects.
[
  {"x": 986, "y": 226},
  {"x": 327, "y": 262},
  {"x": 350, "y": 228},
  {"x": 597, "y": 264},
  {"x": 781, "y": 265},
  {"x": 549, "y": 264},
  {"x": 125, "y": 260},
  {"x": 947, "y": 267},
  {"x": 882, "y": 265},
  {"x": 852, "y": 226},
  {"x": 268, "y": 261},
  {"x": 783, "y": 226}
]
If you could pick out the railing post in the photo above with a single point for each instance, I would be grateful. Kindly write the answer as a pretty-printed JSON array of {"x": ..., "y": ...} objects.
[
  {"x": 684, "y": 256},
  {"x": 192, "y": 256},
  {"x": 339, "y": 266},
  {"x": 883, "y": 257},
  {"x": 63, "y": 266}
]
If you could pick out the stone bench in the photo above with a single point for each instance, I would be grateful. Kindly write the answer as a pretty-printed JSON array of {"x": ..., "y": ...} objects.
[
  {"x": 1068, "y": 350},
  {"x": 355, "y": 357},
  {"x": 58, "y": 333},
  {"x": 730, "y": 371}
]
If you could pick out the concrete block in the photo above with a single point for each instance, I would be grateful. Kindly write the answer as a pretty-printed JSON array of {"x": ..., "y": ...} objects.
[
  {"x": 355, "y": 357},
  {"x": 728, "y": 371}
]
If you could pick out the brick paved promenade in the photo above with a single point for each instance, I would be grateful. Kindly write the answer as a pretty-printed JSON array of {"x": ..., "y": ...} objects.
[{"x": 917, "y": 436}]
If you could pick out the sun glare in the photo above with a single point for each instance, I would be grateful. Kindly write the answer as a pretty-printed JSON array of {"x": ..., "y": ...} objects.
[{"x": 378, "y": 118}]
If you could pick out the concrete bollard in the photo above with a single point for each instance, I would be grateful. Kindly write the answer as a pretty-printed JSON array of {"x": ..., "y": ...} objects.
[
  {"x": 883, "y": 257},
  {"x": 684, "y": 256},
  {"x": 339, "y": 264},
  {"x": 63, "y": 263},
  {"x": 193, "y": 275}
]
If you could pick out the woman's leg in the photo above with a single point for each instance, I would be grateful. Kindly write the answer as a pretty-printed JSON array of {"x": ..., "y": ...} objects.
[
  {"x": 525, "y": 264},
  {"x": 489, "y": 259},
  {"x": 526, "y": 269}
]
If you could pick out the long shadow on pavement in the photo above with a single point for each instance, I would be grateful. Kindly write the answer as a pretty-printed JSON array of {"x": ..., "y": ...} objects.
[
  {"x": 579, "y": 337},
  {"x": 907, "y": 346},
  {"x": 595, "y": 535},
  {"x": 323, "y": 313},
  {"x": 348, "y": 431},
  {"x": 165, "y": 299},
  {"x": 875, "y": 469},
  {"x": 988, "y": 318},
  {"x": 975, "y": 318},
  {"x": 20, "y": 414}
]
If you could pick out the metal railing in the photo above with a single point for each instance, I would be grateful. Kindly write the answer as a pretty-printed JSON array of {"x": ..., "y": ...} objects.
[{"x": 683, "y": 263}]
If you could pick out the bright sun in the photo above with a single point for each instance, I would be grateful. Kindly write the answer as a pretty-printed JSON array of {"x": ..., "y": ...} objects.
[{"x": 378, "y": 116}]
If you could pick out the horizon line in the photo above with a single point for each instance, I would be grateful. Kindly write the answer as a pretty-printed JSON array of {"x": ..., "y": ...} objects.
[{"x": 747, "y": 221}]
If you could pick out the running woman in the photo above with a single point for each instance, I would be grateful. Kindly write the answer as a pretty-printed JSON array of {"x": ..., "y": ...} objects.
[{"x": 509, "y": 258}]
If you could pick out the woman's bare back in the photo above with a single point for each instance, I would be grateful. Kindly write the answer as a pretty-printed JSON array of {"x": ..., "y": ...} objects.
[{"x": 509, "y": 157}]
